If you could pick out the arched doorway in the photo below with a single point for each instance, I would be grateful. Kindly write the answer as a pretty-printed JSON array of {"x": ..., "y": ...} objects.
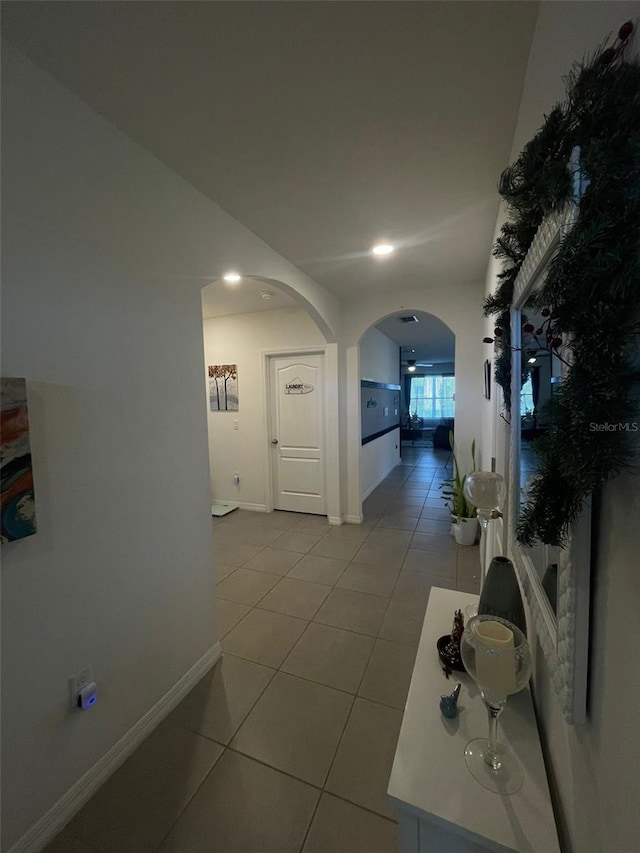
[
  {"x": 461, "y": 322},
  {"x": 245, "y": 325},
  {"x": 404, "y": 350},
  {"x": 427, "y": 378}
]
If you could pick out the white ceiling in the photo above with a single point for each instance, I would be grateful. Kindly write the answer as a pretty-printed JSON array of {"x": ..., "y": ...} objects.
[
  {"x": 432, "y": 340},
  {"x": 220, "y": 299},
  {"x": 323, "y": 126}
]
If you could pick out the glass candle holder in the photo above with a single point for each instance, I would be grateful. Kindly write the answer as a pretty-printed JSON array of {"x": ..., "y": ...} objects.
[{"x": 496, "y": 655}]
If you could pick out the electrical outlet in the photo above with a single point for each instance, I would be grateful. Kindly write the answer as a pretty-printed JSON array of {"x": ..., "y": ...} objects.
[
  {"x": 77, "y": 682},
  {"x": 236, "y": 424}
]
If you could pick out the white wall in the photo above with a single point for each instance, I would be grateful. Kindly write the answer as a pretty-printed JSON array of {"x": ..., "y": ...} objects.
[
  {"x": 379, "y": 358},
  {"x": 379, "y": 362},
  {"x": 593, "y": 768},
  {"x": 104, "y": 254},
  {"x": 241, "y": 339},
  {"x": 377, "y": 459}
]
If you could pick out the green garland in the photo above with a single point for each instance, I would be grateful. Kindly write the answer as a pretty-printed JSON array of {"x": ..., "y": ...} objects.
[{"x": 592, "y": 288}]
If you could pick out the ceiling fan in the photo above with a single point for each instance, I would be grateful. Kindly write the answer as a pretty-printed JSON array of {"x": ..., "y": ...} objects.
[{"x": 412, "y": 364}]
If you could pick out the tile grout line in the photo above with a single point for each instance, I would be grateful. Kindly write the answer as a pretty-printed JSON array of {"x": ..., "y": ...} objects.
[
  {"x": 344, "y": 728},
  {"x": 225, "y": 747},
  {"x": 287, "y": 773},
  {"x": 186, "y": 805},
  {"x": 310, "y": 824}
]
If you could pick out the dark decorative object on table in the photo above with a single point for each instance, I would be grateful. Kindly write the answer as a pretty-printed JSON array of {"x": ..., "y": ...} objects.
[
  {"x": 449, "y": 644},
  {"x": 500, "y": 594},
  {"x": 449, "y": 704}
]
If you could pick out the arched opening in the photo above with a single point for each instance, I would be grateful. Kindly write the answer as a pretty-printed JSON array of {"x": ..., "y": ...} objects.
[
  {"x": 412, "y": 351},
  {"x": 468, "y": 376},
  {"x": 427, "y": 379},
  {"x": 246, "y": 325}
]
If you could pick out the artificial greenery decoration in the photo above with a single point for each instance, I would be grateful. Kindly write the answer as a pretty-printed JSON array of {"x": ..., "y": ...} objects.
[{"x": 591, "y": 294}]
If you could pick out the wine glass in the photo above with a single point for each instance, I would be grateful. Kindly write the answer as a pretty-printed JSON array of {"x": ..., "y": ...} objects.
[{"x": 496, "y": 655}]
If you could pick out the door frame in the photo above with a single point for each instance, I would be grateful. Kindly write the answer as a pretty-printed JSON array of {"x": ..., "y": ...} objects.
[{"x": 331, "y": 458}]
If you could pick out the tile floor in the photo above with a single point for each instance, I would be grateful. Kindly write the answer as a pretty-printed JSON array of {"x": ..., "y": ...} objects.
[{"x": 286, "y": 745}]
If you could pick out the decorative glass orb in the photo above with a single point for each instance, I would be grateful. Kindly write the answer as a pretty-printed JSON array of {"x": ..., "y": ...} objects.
[{"x": 486, "y": 491}]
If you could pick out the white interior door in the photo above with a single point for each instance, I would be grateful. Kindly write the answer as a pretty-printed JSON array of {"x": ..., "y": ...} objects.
[{"x": 297, "y": 433}]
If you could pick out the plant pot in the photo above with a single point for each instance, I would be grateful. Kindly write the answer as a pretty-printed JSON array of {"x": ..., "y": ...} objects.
[{"x": 465, "y": 530}]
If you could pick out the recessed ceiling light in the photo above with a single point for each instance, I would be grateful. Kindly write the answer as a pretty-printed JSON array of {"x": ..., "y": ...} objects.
[
  {"x": 232, "y": 277},
  {"x": 411, "y": 368},
  {"x": 532, "y": 360},
  {"x": 382, "y": 249}
]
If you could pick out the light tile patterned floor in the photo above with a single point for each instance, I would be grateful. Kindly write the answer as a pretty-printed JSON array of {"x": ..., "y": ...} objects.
[{"x": 287, "y": 744}]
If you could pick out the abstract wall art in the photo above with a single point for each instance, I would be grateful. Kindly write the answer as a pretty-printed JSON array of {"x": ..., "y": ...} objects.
[
  {"x": 223, "y": 387},
  {"x": 18, "y": 508}
]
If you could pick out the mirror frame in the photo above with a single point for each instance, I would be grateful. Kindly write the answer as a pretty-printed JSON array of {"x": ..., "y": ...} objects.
[{"x": 563, "y": 636}]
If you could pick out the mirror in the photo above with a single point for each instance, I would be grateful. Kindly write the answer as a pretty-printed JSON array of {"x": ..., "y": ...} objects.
[
  {"x": 537, "y": 389},
  {"x": 555, "y": 580}
]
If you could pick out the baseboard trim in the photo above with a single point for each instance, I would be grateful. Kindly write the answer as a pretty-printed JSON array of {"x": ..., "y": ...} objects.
[
  {"x": 334, "y": 519},
  {"x": 354, "y": 519},
  {"x": 50, "y": 824},
  {"x": 375, "y": 485},
  {"x": 252, "y": 507}
]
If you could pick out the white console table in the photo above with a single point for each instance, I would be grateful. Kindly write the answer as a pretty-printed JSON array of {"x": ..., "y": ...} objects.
[{"x": 440, "y": 806}]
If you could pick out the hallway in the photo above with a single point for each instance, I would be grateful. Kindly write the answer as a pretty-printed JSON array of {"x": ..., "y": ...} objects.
[{"x": 287, "y": 744}]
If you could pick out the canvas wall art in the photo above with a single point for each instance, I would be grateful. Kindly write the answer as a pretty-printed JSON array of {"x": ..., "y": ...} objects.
[
  {"x": 17, "y": 506},
  {"x": 223, "y": 387}
]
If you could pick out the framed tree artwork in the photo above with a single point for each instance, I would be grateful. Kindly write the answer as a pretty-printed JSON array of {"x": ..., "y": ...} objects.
[{"x": 223, "y": 387}]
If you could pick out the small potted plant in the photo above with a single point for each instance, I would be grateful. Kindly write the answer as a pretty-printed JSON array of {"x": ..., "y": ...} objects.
[{"x": 463, "y": 514}]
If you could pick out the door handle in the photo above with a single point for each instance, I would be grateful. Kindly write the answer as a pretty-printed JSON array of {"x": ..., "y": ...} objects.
[{"x": 274, "y": 441}]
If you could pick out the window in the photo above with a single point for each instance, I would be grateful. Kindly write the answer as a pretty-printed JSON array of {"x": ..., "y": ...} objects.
[
  {"x": 526, "y": 398},
  {"x": 433, "y": 397}
]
